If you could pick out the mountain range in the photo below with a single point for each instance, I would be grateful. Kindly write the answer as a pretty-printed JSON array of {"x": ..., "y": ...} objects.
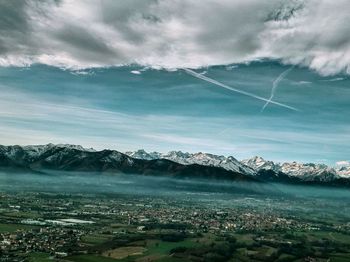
[
  {"x": 257, "y": 167},
  {"x": 39, "y": 158}
]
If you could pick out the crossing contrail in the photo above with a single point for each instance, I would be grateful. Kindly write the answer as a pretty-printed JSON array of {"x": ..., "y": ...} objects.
[
  {"x": 210, "y": 80},
  {"x": 274, "y": 86}
]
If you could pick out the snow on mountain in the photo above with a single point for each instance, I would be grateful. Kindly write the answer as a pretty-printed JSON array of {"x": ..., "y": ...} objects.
[
  {"x": 252, "y": 166},
  {"x": 77, "y": 147},
  {"x": 258, "y": 163},
  {"x": 343, "y": 169},
  {"x": 142, "y": 154},
  {"x": 300, "y": 169},
  {"x": 309, "y": 171},
  {"x": 41, "y": 148},
  {"x": 228, "y": 163},
  {"x": 114, "y": 156},
  {"x": 305, "y": 171},
  {"x": 32, "y": 152},
  {"x": 71, "y": 158}
]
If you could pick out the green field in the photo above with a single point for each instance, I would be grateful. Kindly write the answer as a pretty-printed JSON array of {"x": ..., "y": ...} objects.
[
  {"x": 163, "y": 247},
  {"x": 10, "y": 228},
  {"x": 39, "y": 257},
  {"x": 95, "y": 239},
  {"x": 340, "y": 258},
  {"x": 90, "y": 258}
]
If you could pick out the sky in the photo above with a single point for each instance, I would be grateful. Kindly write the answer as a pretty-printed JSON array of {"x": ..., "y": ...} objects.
[{"x": 240, "y": 78}]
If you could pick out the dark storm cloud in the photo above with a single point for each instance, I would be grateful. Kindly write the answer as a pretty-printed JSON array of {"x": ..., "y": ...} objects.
[
  {"x": 175, "y": 34},
  {"x": 13, "y": 25},
  {"x": 85, "y": 45}
]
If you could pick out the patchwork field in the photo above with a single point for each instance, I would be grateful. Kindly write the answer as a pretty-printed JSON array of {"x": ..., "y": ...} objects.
[{"x": 123, "y": 252}]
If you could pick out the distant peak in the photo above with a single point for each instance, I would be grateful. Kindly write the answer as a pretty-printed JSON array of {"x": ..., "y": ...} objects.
[
  {"x": 141, "y": 151},
  {"x": 258, "y": 158},
  {"x": 77, "y": 147},
  {"x": 142, "y": 154},
  {"x": 255, "y": 159},
  {"x": 51, "y": 145}
]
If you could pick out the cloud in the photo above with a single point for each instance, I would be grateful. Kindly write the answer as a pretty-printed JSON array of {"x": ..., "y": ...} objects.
[
  {"x": 39, "y": 118},
  {"x": 343, "y": 163},
  {"x": 333, "y": 79},
  {"x": 175, "y": 34},
  {"x": 135, "y": 72}
]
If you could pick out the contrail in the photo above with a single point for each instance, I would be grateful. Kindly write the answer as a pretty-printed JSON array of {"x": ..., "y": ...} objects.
[
  {"x": 274, "y": 86},
  {"x": 210, "y": 80}
]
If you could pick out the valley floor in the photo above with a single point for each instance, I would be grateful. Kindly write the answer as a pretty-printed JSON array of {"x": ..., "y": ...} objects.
[{"x": 47, "y": 226}]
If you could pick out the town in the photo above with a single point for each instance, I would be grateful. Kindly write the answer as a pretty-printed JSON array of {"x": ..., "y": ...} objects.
[{"x": 83, "y": 227}]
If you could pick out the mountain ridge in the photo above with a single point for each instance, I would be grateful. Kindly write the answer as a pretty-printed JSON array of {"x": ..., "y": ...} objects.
[
  {"x": 67, "y": 157},
  {"x": 252, "y": 166},
  {"x": 73, "y": 158}
]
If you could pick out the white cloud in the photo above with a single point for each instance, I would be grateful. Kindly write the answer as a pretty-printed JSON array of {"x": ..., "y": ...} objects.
[
  {"x": 333, "y": 79},
  {"x": 135, "y": 72},
  {"x": 343, "y": 163},
  {"x": 173, "y": 34}
]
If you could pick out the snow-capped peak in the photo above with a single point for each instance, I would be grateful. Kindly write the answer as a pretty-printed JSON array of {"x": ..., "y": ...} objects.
[
  {"x": 308, "y": 170},
  {"x": 32, "y": 152},
  {"x": 258, "y": 163},
  {"x": 305, "y": 171},
  {"x": 142, "y": 154},
  {"x": 343, "y": 171},
  {"x": 200, "y": 158}
]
